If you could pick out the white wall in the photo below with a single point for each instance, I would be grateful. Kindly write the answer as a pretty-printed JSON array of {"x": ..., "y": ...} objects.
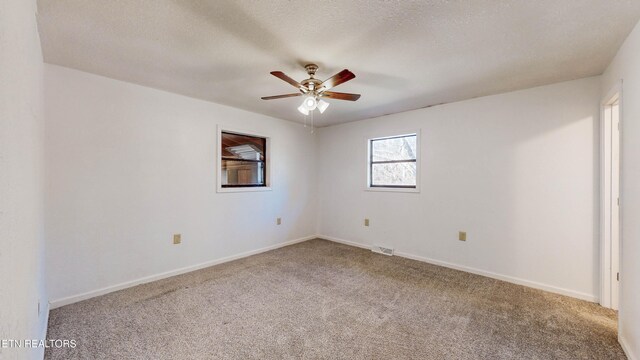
[
  {"x": 626, "y": 67},
  {"x": 129, "y": 166},
  {"x": 21, "y": 186},
  {"x": 517, "y": 171}
]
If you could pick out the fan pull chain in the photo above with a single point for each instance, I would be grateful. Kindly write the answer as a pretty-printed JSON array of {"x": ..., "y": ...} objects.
[{"x": 312, "y": 128}]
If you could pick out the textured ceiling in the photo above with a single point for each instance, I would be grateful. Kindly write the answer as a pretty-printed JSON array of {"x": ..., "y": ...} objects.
[{"x": 405, "y": 54}]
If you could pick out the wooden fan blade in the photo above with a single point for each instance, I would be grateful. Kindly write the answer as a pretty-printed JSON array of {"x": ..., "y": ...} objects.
[
  {"x": 280, "y": 96},
  {"x": 340, "y": 96},
  {"x": 337, "y": 79},
  {"x": 281, "y": 75}
]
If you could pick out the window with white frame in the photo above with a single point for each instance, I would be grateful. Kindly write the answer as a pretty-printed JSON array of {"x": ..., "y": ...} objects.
[{"x": 393, "y": 162}]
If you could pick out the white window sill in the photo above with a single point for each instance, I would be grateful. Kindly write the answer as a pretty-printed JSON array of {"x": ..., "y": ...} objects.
[
  {"x": 390, "y": 189},
  {"x": 243, "y": 189}
]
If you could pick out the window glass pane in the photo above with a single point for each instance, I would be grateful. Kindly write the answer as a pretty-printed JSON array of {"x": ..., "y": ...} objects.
[
  {"x": 237, "y": 173},
  {"x": 401, "y": 148},
  {"x": 245, "y": 147},
  {"x": 394, "y": 174},
  {"x": 243, "y": 160}
]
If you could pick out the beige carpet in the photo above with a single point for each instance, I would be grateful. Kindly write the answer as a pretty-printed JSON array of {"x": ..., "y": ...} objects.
[{"x": 321, "y": 300}]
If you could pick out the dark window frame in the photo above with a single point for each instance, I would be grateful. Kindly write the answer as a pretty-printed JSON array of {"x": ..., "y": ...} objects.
[
  {"x": 263, "y": 161},
  {"x": 372, "y": 162}
]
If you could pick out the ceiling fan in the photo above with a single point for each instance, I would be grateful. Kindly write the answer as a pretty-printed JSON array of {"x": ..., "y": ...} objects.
[{"x": 314, "y": 90}]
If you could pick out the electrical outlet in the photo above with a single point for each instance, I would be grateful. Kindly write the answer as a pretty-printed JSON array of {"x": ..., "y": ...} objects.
[
  {"x": 462, "y": 235},
  {"x": 279, "y": 221},
  {"x": 366, "y": 222},
  {"x": 177, "y": 239}
]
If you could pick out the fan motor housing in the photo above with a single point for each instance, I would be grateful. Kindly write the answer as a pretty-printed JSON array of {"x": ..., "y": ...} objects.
[{"x": 316, "y": 83}]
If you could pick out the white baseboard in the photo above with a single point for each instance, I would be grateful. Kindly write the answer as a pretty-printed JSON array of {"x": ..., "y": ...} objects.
[
  {"x": 45, "y": 326},
  {"x": 626, "y": 349},
  {"x": 105, "y": 290},
  {"x": 43, "y": 330},
  {"x": 90, "y": 294},
  {"x": 345, "y": 242},
  {"x": 511, "y": 279}
]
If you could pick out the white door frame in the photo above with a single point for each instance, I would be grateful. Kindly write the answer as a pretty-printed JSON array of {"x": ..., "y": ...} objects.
[{"x": 610, "y": 219}]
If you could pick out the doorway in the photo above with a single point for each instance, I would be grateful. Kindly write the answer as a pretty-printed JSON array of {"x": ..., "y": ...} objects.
[{"x": 610, "y": 199}]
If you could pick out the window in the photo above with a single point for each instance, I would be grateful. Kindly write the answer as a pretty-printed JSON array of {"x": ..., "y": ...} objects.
[
  {"x": 392, "y": 162},
  {"x": 243, "y": 160}
]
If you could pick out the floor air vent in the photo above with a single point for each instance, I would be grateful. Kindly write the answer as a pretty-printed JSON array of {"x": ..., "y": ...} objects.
[{"x": 382, "y": 250}]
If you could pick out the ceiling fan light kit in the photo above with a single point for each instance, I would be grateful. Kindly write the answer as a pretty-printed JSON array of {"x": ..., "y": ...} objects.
[
  {"x": 322, "y": 106},
  {"x": 310, "y": 103},
  {"x": 314, "y": 90},
  {"x": 303, "y": 110}
]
